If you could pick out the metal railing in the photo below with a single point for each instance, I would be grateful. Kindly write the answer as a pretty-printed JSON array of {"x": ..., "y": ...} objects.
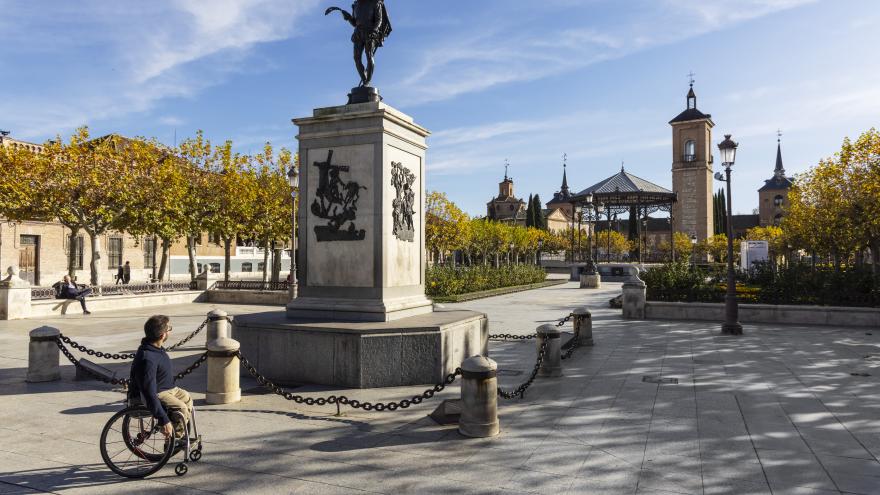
[
  {"x": 252, "y": 285},
  {"x": 145, "y": 288},
  {"x": 42, "y": 293}
]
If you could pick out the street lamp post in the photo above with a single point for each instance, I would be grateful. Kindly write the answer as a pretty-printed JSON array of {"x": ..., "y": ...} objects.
[
  {"x": 693, "y": 251},
  {"x": 509, "y": 252},
  {"x": 538, "y": 254},
  {"x": 731, "y": 324},
  {"x": 293, "y": 180}
]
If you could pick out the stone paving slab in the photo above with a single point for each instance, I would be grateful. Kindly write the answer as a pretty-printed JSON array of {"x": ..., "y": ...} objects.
[{"x": 775, "y": 411}]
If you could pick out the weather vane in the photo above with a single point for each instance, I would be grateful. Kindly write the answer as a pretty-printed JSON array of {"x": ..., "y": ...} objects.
[
  {"x": 778, "y": 135},
  {"x": 506, "y": 165},
  {"x": 691, "y": 78},
  {"x": 564, "y": 160}
]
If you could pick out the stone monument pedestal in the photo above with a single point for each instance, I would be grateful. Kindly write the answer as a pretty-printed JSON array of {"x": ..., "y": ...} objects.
[
  {"x": 410, "y": 351},
  {"x": 361, "y": 318}
]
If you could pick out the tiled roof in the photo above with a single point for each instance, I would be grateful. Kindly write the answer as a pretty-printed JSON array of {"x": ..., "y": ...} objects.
[
  {"x": 624, "y": 182},
  {"x": 691, "y": 114}
]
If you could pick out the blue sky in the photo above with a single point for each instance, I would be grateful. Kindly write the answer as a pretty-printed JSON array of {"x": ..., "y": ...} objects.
[{"x": 520, "y": 80}]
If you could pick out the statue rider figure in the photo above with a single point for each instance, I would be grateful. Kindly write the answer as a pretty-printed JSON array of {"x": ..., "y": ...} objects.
[{"x": 371, "y": 26}]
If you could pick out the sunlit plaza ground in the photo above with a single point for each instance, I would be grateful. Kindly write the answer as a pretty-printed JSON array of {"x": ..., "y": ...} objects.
[{"x": 775, "y": 411}]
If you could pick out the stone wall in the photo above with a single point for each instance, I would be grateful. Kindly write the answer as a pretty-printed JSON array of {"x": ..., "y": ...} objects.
[{"x": 766, "y": 313}]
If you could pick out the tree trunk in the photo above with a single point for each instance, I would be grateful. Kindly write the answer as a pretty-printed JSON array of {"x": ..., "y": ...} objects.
[
  {"x": 95, "y": 262},
  {"x": 227, "y": 257},
  {"x": 875, "y": 262},
  {"x": 276, "y": 263},
  {"x": 163, "y": 266},
  {"x": 191, "y": 252},
  {"x": 154, "y": 275},
  {"x": 265, "y": 260},
  {"x": 71, "y": 255}
]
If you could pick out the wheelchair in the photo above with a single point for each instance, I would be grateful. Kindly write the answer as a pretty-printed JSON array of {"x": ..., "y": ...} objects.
[{"x": 132, "y": 444}]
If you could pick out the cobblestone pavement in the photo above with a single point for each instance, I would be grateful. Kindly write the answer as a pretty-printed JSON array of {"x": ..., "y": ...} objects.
[{"x": 775, "y": 411}]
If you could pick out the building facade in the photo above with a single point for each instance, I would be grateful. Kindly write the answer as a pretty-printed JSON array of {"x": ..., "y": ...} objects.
[{"x": 41, "y": 251}]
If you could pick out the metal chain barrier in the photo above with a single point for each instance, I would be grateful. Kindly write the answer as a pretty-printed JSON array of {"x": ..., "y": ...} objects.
[
  {"x": 343, "y": 400},
  {"x": 565, "y": 319},
  {"x": 520, "y": 391},
  {"x": 190, "y": 336},
  {"x": 116, "y": 356},
  {"x": 115, "y": 381},
  {"x": 510, "y": 336},
  {"x": 90, "y": 352},
  {"x": 572, "y": 344},
  {"x": 123, "y": 381},
  {"x": 189, "y": 369}
]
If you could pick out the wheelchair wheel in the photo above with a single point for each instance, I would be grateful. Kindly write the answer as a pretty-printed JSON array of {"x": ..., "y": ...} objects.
[{"x": 132, "y": 445}]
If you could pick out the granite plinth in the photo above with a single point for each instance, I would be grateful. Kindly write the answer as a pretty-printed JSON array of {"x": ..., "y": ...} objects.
[{"x": 416, "y": 350}]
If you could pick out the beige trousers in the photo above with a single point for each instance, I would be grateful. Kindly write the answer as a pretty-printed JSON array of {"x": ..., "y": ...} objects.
[{"x": 177, "y": 398}]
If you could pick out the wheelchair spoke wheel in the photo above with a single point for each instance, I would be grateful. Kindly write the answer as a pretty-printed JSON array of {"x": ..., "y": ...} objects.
[{"x": 132, "y": 444}]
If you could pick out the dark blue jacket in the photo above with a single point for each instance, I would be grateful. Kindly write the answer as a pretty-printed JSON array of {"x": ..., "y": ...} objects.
[{"x": 151, "y": 373}]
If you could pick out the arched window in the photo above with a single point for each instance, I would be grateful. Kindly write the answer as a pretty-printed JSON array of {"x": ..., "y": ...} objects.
[
  {"x": 690, "y": 150},
  {"x": 777, "y": 201}
]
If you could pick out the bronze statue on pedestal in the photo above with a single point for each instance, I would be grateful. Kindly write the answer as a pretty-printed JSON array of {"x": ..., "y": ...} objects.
[{"x": 371, "y": 27}]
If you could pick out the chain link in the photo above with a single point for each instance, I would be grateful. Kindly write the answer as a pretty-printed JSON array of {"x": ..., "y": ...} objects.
[
  {"x": 120, "y": 356},
  {"x": 564, "y": 320},
  {"x": 189, "y": 369},
  {"x": 190, "y": 336},
  {"x": 90, "y": 352},
  {"x": 115, "y": 381},
  {"x": 520, "y": 391},
  {"x": 343, "y": 400},
  {"x": 123, "y": 381},
  {"x": 573, "y": 343},
  {"x": 510, "y": 336}
]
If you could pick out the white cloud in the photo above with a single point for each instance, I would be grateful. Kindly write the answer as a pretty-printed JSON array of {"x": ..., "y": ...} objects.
[
  {"x": 143, "y": 54},
  {"x": 520, "y": 52}
]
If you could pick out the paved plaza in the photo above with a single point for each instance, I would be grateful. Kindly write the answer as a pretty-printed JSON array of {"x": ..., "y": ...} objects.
[{"x": 775, "y": 411}]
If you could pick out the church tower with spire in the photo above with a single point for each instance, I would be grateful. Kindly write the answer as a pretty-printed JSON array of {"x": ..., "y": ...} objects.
[
  {"x": 773, "y": 195},
  {"x": 692, "y": 169},
  {"x": 562, "y": 198}
]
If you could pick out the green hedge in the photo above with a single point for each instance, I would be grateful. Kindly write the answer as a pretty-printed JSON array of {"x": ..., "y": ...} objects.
[
  {"x": 449, "y": 281},
  {"x": 794, "y": 284}
]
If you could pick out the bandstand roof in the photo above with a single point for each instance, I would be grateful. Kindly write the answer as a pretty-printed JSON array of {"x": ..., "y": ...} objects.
[{"x": 625, "y": 189}]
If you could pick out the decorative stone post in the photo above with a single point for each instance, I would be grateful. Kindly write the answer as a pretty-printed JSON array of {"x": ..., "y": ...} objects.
[
  {"x": 634, "y": 296},
  {"x": 43, "y": 355},
  {"x": 552, "y": 364},
  {"x": 218, "y": 325},
  {"x": 206, "y": 279},
  {"x": 479, "y": 398},
  {"x": 583, "y": 326},
  {"x": 223, "y": 372},
  {"x": 15, "y": 296},
  {"x": 591, "y": 280}
]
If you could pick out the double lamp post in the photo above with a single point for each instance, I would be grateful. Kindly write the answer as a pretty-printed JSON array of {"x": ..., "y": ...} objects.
[{"x": 293, "y": 180}]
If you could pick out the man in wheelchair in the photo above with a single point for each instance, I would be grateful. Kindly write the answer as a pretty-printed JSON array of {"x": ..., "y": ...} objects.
[{"x": 152, "y": 378}]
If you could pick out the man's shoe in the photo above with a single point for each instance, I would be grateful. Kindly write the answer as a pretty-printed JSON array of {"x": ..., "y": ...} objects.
[{"x": 87, "y": 312}]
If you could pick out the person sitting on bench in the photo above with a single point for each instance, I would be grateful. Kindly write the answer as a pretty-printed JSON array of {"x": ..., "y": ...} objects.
[{"x": 70, "y": 290}]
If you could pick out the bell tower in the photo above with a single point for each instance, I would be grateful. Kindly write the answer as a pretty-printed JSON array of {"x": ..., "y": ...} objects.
[{"x": 692, "y": 169}]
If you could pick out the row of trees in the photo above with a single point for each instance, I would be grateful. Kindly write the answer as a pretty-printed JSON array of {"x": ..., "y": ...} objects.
[
  {"x": 147, "y": 189},
  {"x": 835, "y": 206}
]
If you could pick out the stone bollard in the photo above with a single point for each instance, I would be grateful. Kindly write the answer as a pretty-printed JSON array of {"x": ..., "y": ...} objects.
[
  {"x": 223, "y": 372},
  {"x": 634, "y": 295},
  {"x": 479, "y": 398},
  {"x": 15, "y": 296},
  {"x": 583, "y": 326},
  {"x": 552, "y": 364},
  {"x": 218, "y": 325},
  {"x": 43, "y": 355}
]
